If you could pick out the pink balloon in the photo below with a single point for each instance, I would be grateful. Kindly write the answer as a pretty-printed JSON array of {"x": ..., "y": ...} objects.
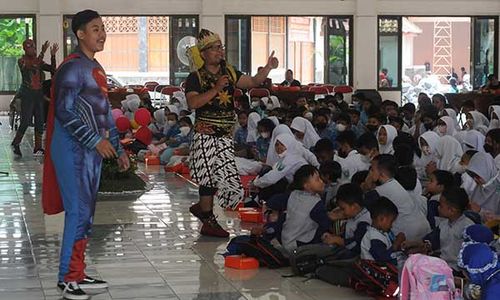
[{"x": 116, "y": 113}]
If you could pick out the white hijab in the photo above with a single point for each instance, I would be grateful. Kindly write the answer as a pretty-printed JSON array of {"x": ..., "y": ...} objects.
[
  {"x": 133, "y": 102},
  {"x": 173, "y": 109},
  {"x": 450, "y": 112},
  {"x": 474, "y": 140},
  {"x": 432, "y": 140},
  {"x": 494, "y": 123},
  {"x": 276, "y": 102},
  {"x": 449, "y": 153},
  {"x": 272, "y": 156},
  {"x": 392, "y": 133},
  {"x": 275, "y": 120},
  {"x": 487, "y": 195},
  {"x": 253, "y": 119},
  {"x": 159, "y": 116},
  {"x": 481, "y": 123},
  {"x": 450, "y": 126},
  {"x": 179, "y": 95},
  {"x": 310, "y": 135}
]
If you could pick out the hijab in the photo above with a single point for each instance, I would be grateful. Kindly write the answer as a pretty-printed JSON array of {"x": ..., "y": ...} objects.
[
  {"x": 480, "y": 262},
  {"x": 487, "y": 195},
  {"x": 392, "y": 133},
  {"x": 275, "y": 120},
  {"x": 179, "y": 95},
  {"x": 453, "y": 115},
  {"x": 432, "y": 140},
  {"x": 272, "y": 156},
  {"x": 494, "y": 123},
  {"x": 474, "y": 140},
  {"x": 133, "y": 102},
  {"x": 310, "y": 135},
  {"x": 450, "y": 125},
  {"x": 481, "y": 123},
  {"x": 173, "y": 109},
  {"x": 449, "y": 153},
  {"x": 159, "y": 116},
  {"x": 253, "y": 120}
]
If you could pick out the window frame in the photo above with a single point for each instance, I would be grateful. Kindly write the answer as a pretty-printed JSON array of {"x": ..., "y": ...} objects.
[
  {"x": 34, "y": 29},
  {"x": 350, "y": 65},
  {"x": 399, "y": 18}
]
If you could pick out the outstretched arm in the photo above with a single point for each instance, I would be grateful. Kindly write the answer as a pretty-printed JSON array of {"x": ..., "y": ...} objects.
[{"x": 248, "y": 82}]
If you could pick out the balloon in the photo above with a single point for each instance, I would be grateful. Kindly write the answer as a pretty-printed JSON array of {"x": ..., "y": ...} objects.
[
  {"x": 144, "y": 135},
  {"x": 122, "y": 124},
  {"x": 142, "y": 117},
  {"x": 134, "y": 124},
  {"x": 116, "y": 113}
]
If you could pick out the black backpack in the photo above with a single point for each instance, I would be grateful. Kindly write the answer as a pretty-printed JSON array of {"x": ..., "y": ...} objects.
[
  {"x": 258, "y": 248},
  {"x": 306, "y": 259}
]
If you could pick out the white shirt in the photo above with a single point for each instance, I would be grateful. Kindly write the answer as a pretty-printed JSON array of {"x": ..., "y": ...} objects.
[{"x": 352, "y": 164}]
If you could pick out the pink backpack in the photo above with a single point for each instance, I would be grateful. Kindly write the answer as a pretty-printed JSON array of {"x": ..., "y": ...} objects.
[{"x": 427, "y": 278}]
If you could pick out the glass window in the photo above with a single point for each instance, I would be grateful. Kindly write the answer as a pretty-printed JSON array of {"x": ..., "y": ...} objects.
[
  {"x": 339, "y": 45},
  {"x": 143, "y": 48},
  {"x": 389, "y": 49},
  {"x": 317, "y": 49},
  {"x": 238, "y": 42},
  {"x": 484, "y": 49},
  {"x": 14, "y": 30}
]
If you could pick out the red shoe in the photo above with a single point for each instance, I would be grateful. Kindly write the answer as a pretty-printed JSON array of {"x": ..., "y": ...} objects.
[
  {"x": 195, "y": 210},
  {"x": 212, "y": 228}
]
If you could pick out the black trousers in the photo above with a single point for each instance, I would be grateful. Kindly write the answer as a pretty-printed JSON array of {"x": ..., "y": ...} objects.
[{"x": 32, "y": 105}]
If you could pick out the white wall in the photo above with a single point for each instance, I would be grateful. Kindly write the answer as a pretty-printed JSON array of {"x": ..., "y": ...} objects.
[{"x": 49, "y": 18}]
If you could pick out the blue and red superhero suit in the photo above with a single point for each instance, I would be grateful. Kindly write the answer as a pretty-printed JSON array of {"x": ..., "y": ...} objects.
[{"x": 79, "y": 118}]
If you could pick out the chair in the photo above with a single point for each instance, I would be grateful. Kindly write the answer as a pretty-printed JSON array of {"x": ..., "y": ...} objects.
[
  {"x": 330, "y": 87},
  {"x": 151, "y": 85},
  {"x": 319, "y": 90},
  {"x": 134, "y": 86},
  {"x": 170, "y": 90},
  {"x": 259, "y": 92},
  {"x": 344, "y": 89}
]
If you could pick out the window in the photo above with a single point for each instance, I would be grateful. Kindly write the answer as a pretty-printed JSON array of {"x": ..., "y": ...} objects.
[
  {"x": 14, "y": 30},
  {"x": 389, "y": 53},
  {"x": 484, "y": 49},
  {"x": 317, "y": 49},
  {"x": 143, "y": 48}
]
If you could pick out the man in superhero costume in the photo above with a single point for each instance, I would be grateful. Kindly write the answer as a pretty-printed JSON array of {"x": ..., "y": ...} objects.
[
  {"x": 30, "y": 92},
  {"x": 80, "y": 133}
]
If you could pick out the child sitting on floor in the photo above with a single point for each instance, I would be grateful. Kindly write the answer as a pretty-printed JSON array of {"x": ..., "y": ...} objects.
[
  {"x": 379, "y": 243},
  {"x": 447, "y": 237},
  {"x": 439, "y": 181},
  {"x": 350, "y": 203},
  {"x": 330, "y": 172},
  {"x": 307, "y": 219},
  {"x": 179, "y": 144}
]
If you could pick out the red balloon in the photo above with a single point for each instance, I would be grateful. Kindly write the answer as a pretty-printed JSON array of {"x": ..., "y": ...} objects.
[
  {"x": 142, "y": 116},
  {"x": 144, "y": 135},
  {"x": 122, "y": 124}
]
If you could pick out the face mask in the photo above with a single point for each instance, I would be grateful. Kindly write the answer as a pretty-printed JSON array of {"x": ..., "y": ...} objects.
[
  {"x": 442, "y": 129},
  {"x": 265, "y": 135},
  {"x": 355, "y": 103},
  {"x": 461, "y": 169},
  {"x": 341, "y": 127},
  {"x": 426, "y": 150},
  {"x": 171, "y": 123},
  {"x": 177, "y": 104},
  {"x": 269, "y": 106},
  {"x": 282, "y": 154},
  {"x": 488, "y": 148},
  {"x": 308, "y": 115},
  {"x": 185, "y": 130},
  {"x": 495, "y": 123},
  {"x": 372, "y": 128},
  {"x": 321, "y": 126},
  {"x": 255, "y": 104}
]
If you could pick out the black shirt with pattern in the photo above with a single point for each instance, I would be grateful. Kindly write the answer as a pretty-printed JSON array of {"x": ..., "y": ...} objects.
[{"x": 217, "y": 117}]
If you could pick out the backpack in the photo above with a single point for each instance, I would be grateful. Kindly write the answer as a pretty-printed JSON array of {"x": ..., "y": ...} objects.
[
  {"x": 307, "y": 258},
  {"x": 258, "y": 248},
  {"x": 427, "y": 278},
  {"x": 377, "y": 279}
]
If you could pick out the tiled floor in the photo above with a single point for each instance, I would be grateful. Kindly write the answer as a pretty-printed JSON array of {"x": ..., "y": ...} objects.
[{"x": 146, "y": 246}]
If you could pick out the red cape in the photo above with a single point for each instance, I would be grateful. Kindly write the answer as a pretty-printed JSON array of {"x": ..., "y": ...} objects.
[{"x": 51, "y": 196}]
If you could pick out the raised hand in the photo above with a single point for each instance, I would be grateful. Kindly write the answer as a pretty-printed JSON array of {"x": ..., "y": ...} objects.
[
  {"x": 45, "y": 46},
  {"x": 272, "y": 62},
  {"x": 53, "y": 49}
]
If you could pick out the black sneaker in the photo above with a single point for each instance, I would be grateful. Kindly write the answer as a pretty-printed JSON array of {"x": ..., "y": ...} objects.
[
  {"x": 71, "y": 291},
  {"x": 17, "y": 150},
  {"x": 92, "y": 283}
]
